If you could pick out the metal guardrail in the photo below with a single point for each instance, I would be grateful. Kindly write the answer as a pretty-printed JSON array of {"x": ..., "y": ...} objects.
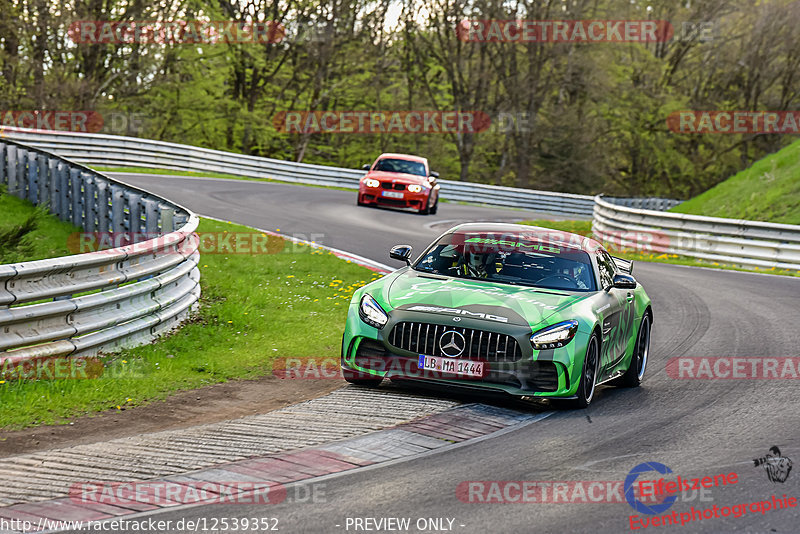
[
  {"x": 111, "y": 150},
  {"x": 658, "y": 204},
  {"x": 103, "y": 300},
  {"x": 736, "y": 241}
]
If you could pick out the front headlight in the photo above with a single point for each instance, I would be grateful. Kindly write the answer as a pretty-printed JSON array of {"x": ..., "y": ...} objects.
[
  {"x": 371, "y": 182},
  {"x": 371, "y": 312},
  {"x": 556, "y": 336},
  {"x": 414, "y": 188}
]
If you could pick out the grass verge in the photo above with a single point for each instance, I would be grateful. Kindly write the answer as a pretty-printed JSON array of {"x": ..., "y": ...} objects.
[
  {"x": 584, "y": 228},
  {"x": 769, "y": 190},
  {"x": 254, "y": 307},
  {"x": 47, "y": 238}
]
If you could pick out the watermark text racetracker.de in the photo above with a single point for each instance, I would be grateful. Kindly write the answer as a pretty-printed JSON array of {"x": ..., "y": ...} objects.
[
  {"x": 247, "y": 242},
  {"x": 65, "y": 368},
  {"x": 733, "y": 368},
  {"x": 81, "y": 121},
  {"x": 312, "y": 368},
  {"x": 564, "y": 492},
  {"x": 170, "y": 493},
  {"x": 381, "y": 121},
  {"x": 564, "y": 31},
  {"x": 734, "y": 122},
  {"x": 175, "y": 32}
]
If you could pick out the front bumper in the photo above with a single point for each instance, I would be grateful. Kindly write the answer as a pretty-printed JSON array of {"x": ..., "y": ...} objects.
[
  {"x": 368, "y": 353},
  {"x": 374, "y": 195}
]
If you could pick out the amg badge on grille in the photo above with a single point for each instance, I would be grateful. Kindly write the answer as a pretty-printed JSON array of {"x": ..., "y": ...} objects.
[{"x": 459, "y": 311}]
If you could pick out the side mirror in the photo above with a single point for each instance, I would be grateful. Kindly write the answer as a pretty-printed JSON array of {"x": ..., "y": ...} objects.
[
  {"x": 401, "y": 252},
  {"x": 366, "y": 166},
  {"x": 624, "y": 281},
  {"x": 434, "y": 174}
]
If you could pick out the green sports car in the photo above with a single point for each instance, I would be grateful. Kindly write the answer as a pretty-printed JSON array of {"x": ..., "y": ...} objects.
[{"x": 520, "y": 310}]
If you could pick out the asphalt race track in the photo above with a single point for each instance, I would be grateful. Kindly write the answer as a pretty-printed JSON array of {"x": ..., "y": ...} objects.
[
  {"x": 326, "y": 216},
  {"x": 697, "y": 428}
]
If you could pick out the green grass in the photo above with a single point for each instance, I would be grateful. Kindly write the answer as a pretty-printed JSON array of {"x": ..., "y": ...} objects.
[
  {"x": 254, "y": 308},
  {"x": 150, "y": 170},
  {"x": 767, "y": 191},
  {"x": 48, "y": 240},
  {"x": 584, "y": 228}
]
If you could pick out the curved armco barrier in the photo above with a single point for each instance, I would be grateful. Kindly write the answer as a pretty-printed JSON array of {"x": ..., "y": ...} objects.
[
  {"x": 741, "y": 242},
  {"x": 101, "y": 300}
]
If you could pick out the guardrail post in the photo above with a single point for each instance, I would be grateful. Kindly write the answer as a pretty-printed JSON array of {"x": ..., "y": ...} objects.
[
  {"x": 11, "y": 166},
  {"x": 63, "y": 192},
  {"x": 167, "y": 219},
  {"x": 117, "y": 209},
  {"x": 150, "y": 216},
  {"x": 53, "y": 178},
  {"x": 89, "y": 210},
  {"x": 134, "y": 211},
  {"x": 22, "y": 174},
  {"x": 42, "y": 182},
  {"x": 3, "y": 173},
  {"x": 76, "y": 197},
  {"x": 180, "y": 220},
  {"x": 102, "y": 210},
  {"x": 33, "y": 177}
]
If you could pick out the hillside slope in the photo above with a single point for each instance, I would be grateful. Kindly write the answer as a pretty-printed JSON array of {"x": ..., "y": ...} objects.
[{"x": 767, "y": 191}]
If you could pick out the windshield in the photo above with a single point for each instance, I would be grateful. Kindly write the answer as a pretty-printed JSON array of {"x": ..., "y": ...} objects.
[
  {"x": 400, "y": 165},
  {"x": 516, "y": 260}
]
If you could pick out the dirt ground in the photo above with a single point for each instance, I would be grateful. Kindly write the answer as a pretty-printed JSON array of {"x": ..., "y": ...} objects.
[{"x": 211, "y": 404}]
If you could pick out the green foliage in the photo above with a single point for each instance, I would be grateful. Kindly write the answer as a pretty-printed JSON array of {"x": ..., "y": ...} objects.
[
  {"x": 767, "y": 191},
  {"x": 30, "y": 233}
]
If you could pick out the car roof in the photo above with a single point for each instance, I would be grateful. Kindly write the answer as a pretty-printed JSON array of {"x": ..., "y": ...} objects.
[
  {"x": 555, "y": 237},
  {"x": 408, "y": 157}
]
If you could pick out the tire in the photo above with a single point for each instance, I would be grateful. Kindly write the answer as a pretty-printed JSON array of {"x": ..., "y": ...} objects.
[
  {"x": 435, "y": 207},
  {"x": 587, "y": 384},
  {"x": 641, "y": 353},
  {"x": 358, "y": 201},
  {"x": 426, "y": 210}
]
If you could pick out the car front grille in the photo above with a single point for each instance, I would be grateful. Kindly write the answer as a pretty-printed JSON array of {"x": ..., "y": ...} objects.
[
  {"x": 390, "y": 185},
  {"x": 392, "y": 201},
  {"x": 423, "y": 338}
]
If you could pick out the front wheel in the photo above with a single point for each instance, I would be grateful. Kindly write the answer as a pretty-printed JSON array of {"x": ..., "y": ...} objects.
[
  {"x": 426, "y": 209},
  {"x": 588, "y": 381},
  {"x": 435, "y": 207},
  {"x": 633, "y": 376}
]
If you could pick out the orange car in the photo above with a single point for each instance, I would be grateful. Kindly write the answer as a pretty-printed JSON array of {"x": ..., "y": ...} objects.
[{"x": 401, "y": 181}]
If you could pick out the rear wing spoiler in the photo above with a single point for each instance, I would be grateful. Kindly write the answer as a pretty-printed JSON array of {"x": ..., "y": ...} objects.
[{"x": 626, "y": 266}]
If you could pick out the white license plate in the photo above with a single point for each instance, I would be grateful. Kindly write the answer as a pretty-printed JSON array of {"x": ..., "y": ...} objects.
[
  {"x": 450, "y": 365},
  {"x": 392, "y": 194}
]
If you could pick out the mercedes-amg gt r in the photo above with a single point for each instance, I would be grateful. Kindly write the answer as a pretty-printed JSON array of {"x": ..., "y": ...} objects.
[{"x": 522, "y": 310}]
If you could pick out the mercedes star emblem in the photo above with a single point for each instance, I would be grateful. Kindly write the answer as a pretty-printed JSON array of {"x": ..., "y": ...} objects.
[{"x": 452, "y": 343}]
